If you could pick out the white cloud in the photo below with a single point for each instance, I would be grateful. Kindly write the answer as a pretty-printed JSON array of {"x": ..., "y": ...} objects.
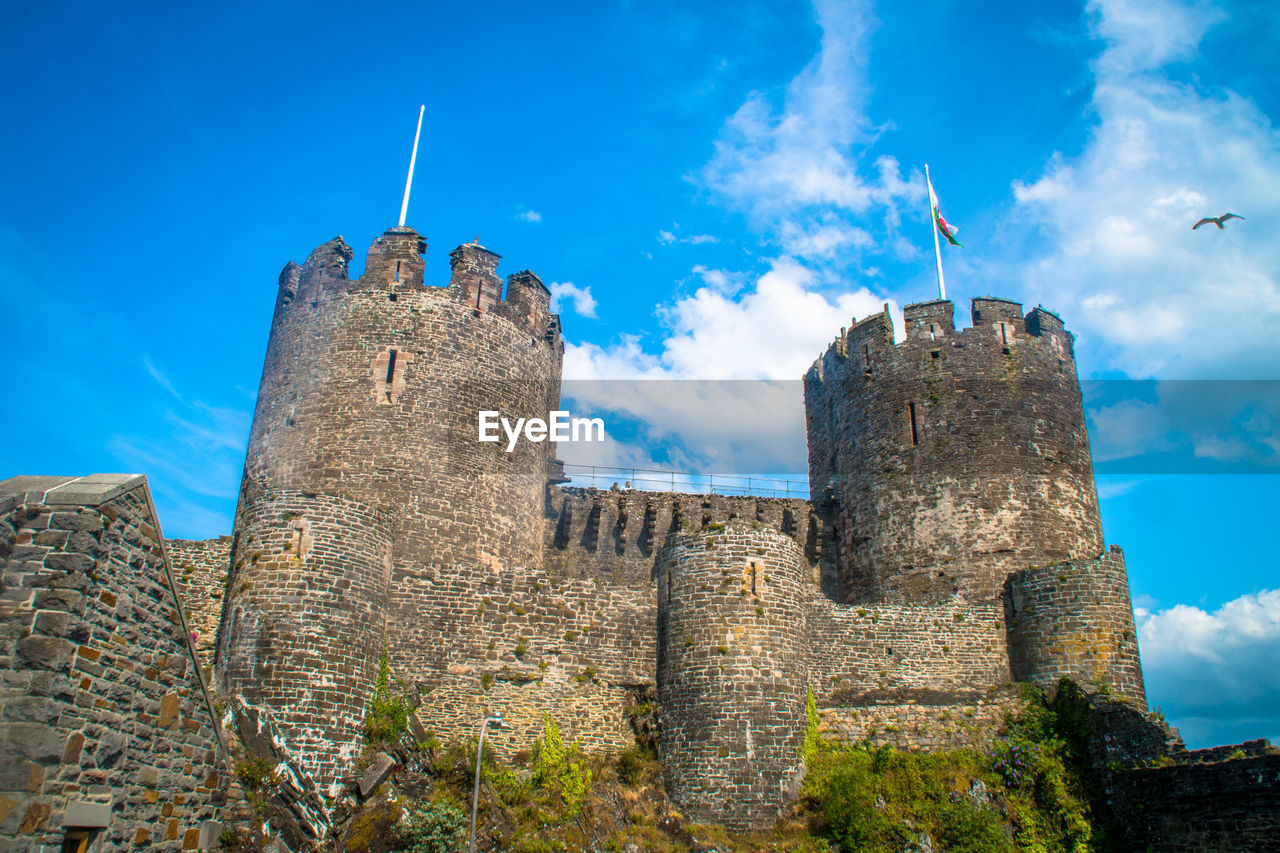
[
  {"x": 1163, "y": 300},
  {"x": 529, "y": 216},
  {"x": 773, "y": 330},
  {"x": 795, "y": 170},
  {"x": 718, "y": 280},
  {"x": 1214, "y": 673},
  {"x": 584, "y": 304},
  {"x": 666, "y": 238}
]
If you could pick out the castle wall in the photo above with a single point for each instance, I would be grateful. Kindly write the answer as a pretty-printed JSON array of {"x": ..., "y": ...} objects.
[
  {"x": 925, "y": 720},
  {"x": 526, "y": 641},
  {"x": 200, "y": 569},
  {"x": 106, "y": 722},
  {"x": 957, "y": 456},
  {"x": 1075, "y": 620},
  {"x": 302, "y": 632},
  {"x": 731, "y": 671},
  {"x": 618, "y": 533},
  {"x": 872, "y": 653}
]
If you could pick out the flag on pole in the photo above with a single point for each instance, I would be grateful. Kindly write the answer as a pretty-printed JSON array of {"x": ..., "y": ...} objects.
[{"x": 945, "y": 228}]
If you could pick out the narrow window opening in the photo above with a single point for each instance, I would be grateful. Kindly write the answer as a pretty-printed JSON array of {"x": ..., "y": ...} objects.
[
  {"x": 391, "y": 367},
  {"x": 936, "y": 354},
  {"x": 866, "y": 355},
  {"x": 669, "y": 584},
  {"x": 915, "y": 430},
  {"x": 933, "y": 332},
  {"x": 397, "y": 278},
  {"x": 1004, "y": 334},
  {"x": 1005, "y": 350},
  {"x": 76, "y": 841},
  {"x": 755, "y": 567},
  {"x": 391, "y": 296}
]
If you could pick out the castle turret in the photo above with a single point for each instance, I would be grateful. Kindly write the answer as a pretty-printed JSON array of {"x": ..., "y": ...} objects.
[
  {"x": 953, "y": 458},
  {"x": 368, "y": 417},
  {"x": 1075, "y": 620},
  {"x": 731, "y": 671}
]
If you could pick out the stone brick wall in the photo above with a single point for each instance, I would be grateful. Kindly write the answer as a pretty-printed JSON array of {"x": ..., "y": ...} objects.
[
  {"x": 200, "y": 569},
  {"x": 524, "y": 642},
  {"x": 868, "y": 651},
  {"x": 305, "y": 618},
  {"x": 1075, "y": 620},
  {"x": 923, "y": 720},
  {"x": 731, "y": 671},
  {"x": 1200, "y": 807},
  {"x": 106, "y": 723},
  {"x": 956, "y": 456}
]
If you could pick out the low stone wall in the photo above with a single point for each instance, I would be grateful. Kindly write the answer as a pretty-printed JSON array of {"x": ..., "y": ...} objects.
[
  {"x": 200, "y": 570},
  {"x": 616, "y": 533},
  {"x": 925, "y": 720},
  {"x": 859, "y": 650},
  {"x": 528, "y": 642},
  {"x": 1200, "y": 807},
  {"x": 107, "y": 726}
]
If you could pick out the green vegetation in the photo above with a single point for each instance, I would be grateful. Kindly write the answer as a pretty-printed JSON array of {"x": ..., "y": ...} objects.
[
  {"x": 1030, "y": 791},
  {"x": 559, "y": 771},
  {"x": 432, "y": 827},
  {"x": 386, "y": 716}
]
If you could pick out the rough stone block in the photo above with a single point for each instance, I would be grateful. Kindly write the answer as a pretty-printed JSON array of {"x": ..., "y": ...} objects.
[{"x": 376, "y": 773}]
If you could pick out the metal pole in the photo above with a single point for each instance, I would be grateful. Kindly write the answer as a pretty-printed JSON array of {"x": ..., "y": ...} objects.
[
  {"x": 933, "y": 226},
  {"x": 475, "y": 791},
  {"x": 413, "y": 158}
]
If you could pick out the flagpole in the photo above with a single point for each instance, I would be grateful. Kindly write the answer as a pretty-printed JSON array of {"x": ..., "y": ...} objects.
[
  {"x": 933, "y": 226},
  {"x": 413, "y": 158}
]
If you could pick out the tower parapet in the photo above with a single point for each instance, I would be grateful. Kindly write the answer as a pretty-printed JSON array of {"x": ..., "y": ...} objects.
[{"x": 955, "y": 457}]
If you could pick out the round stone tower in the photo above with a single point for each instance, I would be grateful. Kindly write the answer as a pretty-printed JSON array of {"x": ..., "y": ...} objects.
[
  {"x": 954, "y": 458},
  {"x": 369, "y": 406},
  {"x": 302, "y": 633},
  {"x": 1075, "y": 620},
  {"x": 731, "y": 671}
]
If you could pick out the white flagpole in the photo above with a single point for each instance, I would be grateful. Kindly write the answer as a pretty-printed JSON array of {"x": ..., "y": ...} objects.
[
  {"x": 933, "y": 226},
  {"x": 413, "y": 158}
]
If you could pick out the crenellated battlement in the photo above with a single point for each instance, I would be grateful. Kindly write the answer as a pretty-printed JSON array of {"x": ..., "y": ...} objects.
[
  {"x": 997, "y": 325},
  {"x": 395, "y": 271},
  {"x": 954, "y": 456}
]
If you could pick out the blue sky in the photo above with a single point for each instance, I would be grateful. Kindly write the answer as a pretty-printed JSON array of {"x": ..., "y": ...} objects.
[{"x": 711, "y": 190}]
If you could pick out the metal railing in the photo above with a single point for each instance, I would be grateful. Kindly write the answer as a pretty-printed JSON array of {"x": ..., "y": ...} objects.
[{"x": 658, "y": 480}]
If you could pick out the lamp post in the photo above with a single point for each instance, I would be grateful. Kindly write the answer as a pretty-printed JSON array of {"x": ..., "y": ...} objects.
[{"x": 496, "y": 721}]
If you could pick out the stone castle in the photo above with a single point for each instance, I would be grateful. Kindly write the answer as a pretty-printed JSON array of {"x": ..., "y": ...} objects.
[
  {"x": 952, "y": 547},
  {"x": 943, "y": 469}
]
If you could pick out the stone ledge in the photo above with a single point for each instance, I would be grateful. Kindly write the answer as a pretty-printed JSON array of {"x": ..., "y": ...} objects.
[{"x": 93, "y": 490}]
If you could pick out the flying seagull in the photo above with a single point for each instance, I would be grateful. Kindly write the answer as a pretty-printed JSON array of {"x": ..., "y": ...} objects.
[{"x": 1216, "y": 220}]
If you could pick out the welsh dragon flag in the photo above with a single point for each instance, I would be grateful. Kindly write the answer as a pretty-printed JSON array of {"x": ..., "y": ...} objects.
[{"x": 946, "y": 229}]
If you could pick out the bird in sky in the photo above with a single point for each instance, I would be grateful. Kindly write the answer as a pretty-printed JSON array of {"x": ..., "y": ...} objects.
[{"x": 1216, "y": 220}]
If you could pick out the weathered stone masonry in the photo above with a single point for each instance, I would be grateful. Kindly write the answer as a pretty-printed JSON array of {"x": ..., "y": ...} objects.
[
  {"x": 952, "y": 546},
  {"x": 940, "y": 467},
  {"x": 731, "y": 671},
  {"x": 107, "y": 727}
]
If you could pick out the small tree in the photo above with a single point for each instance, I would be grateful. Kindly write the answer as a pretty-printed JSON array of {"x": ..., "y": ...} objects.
[
  {"x": 387, "y": 714},
  {"x": 558, "y": 770}
]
